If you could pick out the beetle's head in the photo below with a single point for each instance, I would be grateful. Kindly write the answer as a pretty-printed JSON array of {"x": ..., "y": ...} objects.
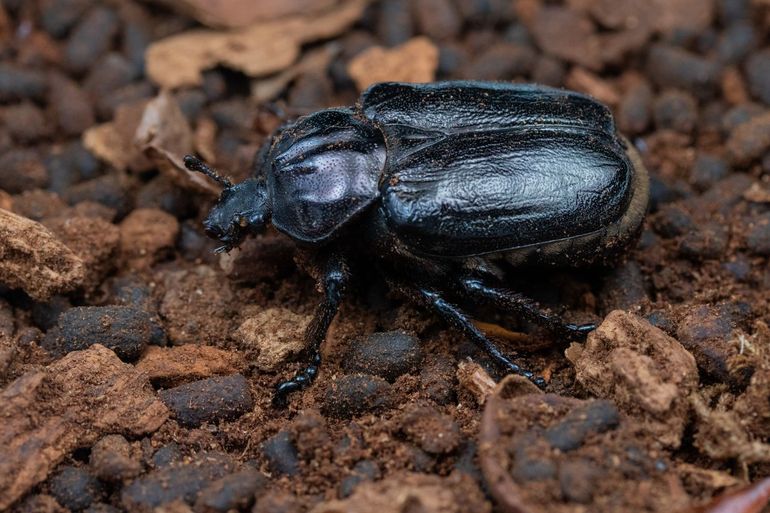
[{"x": 242, "y": 208}]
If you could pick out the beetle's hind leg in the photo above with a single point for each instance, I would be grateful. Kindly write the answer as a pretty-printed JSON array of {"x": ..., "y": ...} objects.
[
  {"x": 513, "y": 301},
  {"x": 336, "y": 275},
  {"x": 456, "y": 318}
]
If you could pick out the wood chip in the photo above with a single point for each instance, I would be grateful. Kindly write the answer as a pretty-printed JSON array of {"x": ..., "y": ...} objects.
[{"x": 474, "y": 378}]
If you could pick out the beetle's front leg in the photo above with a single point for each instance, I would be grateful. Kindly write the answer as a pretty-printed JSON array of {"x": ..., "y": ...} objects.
[
  {"x": 456, "y": 318},
  {"x": 334, "y": 279},
  {"x": 512, "y": 301}
]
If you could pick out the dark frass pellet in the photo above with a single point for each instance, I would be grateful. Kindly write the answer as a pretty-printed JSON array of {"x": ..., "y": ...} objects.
[
  {"x": 758, "y": 237},
  {"x": 71, "y": 105},
  {"x": 673, "y": 221},
  {"x": 363, "y": 471},
  {"x": 281, "y": 455},
  {"x": 352, "y": 395},
  {"x": 707, "y": 242},
  {"x": 124, "y": 329},
  {"x": 183, "y": 481},
  {"x": 707, "y": 170},
  {"x": 26, "y": 122},
  {"x": 75, "y": 488},
  {"x": 114, "y": 71},
  {"x": 431, "y": 430},
  {"x": 113, "y": 190},
  {"x": 59, "y": 16},
  {"x": 18, "y": 83},
  {"x": 635, "y": 109},
  {"x": 623, "y": 288},
  {"x": 209, "y": 400},
  {"x": 69, "y": 165},
  {"x": 758, "y": 75},
  {"x": 91, "y": 38},
  {"x": 387, "y": 355},
  {"x": 671, "y": 66},
  {"x": 675, "y": 110},
  {"x": 231, "y": 493},
  {"x": 706, "y": 331},
  {"x": 595, "y": 417}
]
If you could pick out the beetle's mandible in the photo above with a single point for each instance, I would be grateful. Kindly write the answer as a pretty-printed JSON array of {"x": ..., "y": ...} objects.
[{"x": 437, "y": 186}]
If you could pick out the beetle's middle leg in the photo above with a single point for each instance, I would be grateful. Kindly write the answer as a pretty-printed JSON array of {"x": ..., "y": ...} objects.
[
  {"x": 333, "y": 281},
  {"x": 512, "y": 301},
  {"x": 456, "y": 318}
]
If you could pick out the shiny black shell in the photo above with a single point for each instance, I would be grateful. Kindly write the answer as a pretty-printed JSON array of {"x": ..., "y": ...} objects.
[{"x": 458, "y": 169}]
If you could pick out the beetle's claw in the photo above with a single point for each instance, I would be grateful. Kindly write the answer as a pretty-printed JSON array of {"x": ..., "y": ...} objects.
[
  {"x": 301, "y": 380},
  {"x": 282, "y": 391},
  {"x": 580, "y": 330},
  {"x": 539, "y": 381}
]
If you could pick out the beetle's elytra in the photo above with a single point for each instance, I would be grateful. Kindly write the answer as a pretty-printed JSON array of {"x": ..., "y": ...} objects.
[{"x": 436, "y": 186}]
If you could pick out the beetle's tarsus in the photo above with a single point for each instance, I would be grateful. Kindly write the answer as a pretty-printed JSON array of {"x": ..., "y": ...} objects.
[
  {"x": 301, "y": 380},
  {"x": 580, "y": 330},
  {"x": 333, "y": 282}
]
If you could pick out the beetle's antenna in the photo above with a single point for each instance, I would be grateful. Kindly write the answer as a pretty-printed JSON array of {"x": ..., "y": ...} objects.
[{"x": 195, "y": 164}]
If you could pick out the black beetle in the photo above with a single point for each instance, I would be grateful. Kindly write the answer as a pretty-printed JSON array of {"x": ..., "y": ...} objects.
[{"x": 438, "y": 184}]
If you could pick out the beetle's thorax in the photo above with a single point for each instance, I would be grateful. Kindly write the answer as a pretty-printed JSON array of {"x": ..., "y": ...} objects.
[{"x": 324, "y": 171}]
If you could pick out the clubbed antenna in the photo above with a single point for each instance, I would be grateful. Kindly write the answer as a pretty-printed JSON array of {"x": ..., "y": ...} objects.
[{"x": 195, "y": 164}]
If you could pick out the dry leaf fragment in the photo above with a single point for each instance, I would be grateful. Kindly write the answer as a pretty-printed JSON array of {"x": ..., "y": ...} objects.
[
  {"x": 163, "y": 127},
  {"x": 147, "y": 134},
  {"x": 165, "y": 137},
  {"x": 256, "y": 50},
  {"x": 414, "y": 61},
  {"x": 241, "y": 13}
]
